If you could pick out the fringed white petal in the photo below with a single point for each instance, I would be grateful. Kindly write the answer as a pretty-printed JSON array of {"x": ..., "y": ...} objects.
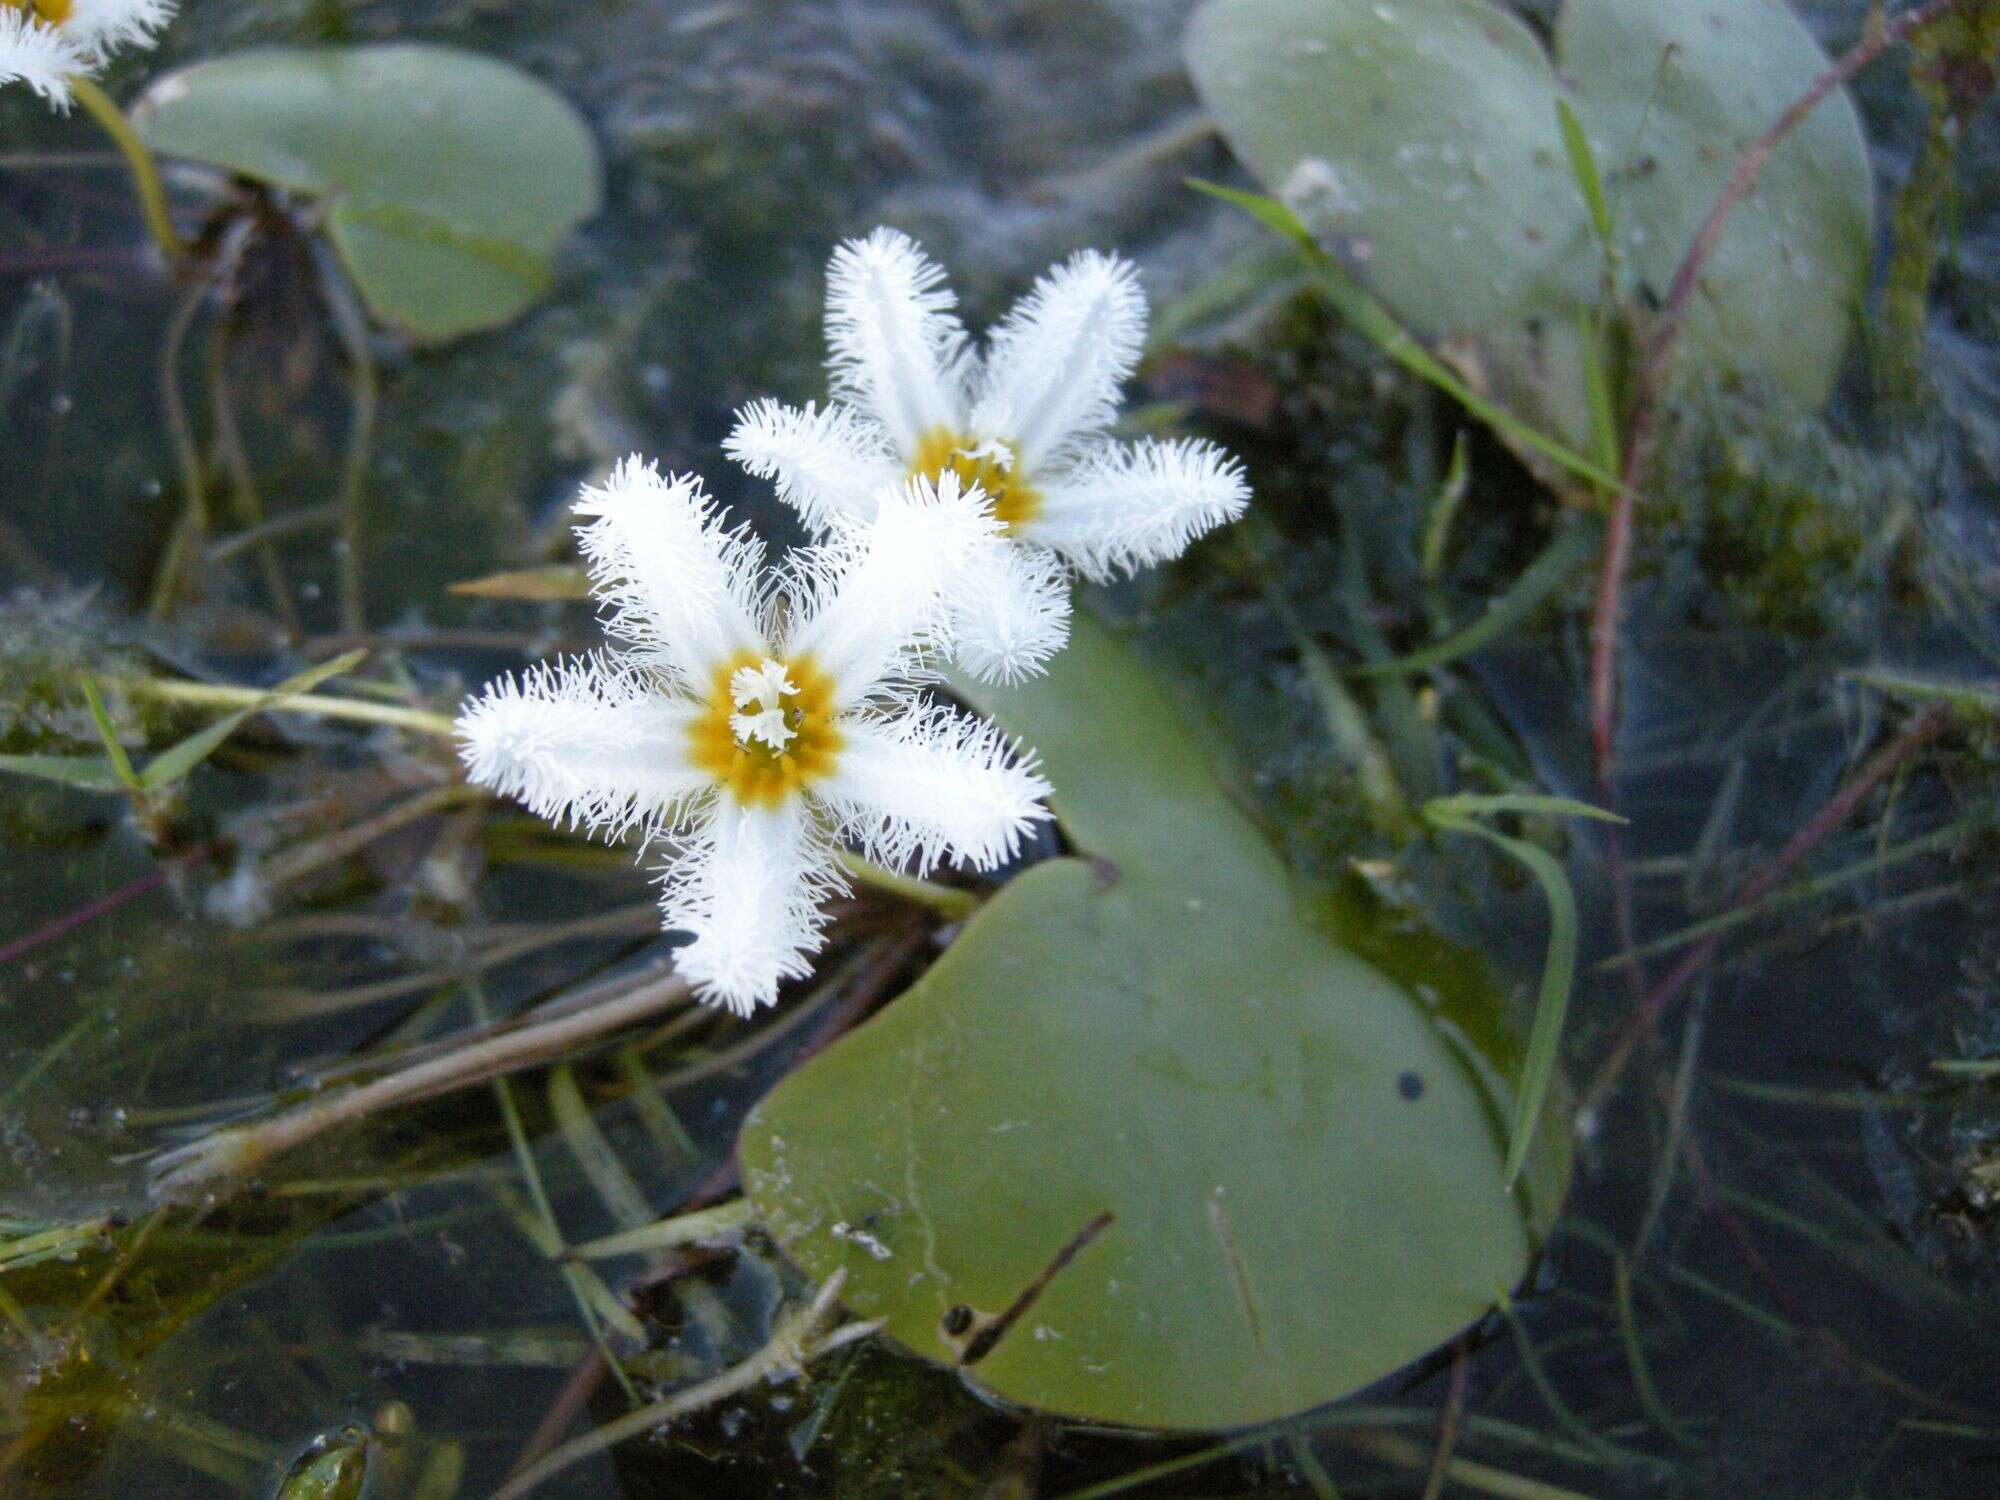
[
  {"x": 1054, "y": 368},
  {"x": 584, "y": 743},
  {"x": 1009, "y": 611},
  {"x": 667, "y": 574},
  {"x": 827, "y": 462},
  {"x": 930, "y": 784},
  {"x": 1123, "y": 506},
  {"x": 871, "y": 599},
  {"x": 748, "y": 889},
  {"x": 896, "y": 349},
  {"x": 102, "y": 25},
  {"x": 39, "y": 56}
]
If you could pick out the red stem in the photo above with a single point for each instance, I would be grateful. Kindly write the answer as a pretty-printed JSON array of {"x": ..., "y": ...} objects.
[
  {"x": 1837, "y": 809},
  {"x": 1646, "y": 385}
]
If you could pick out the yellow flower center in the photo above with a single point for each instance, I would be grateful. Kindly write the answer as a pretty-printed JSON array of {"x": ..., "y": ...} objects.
[
  {"x": 993, "y": 465},
  {"x": 766, "y": 729},
  {"x": 48, "y": 12}
]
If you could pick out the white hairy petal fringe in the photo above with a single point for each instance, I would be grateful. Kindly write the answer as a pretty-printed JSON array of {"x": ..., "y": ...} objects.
[
  {"x": 871, "y": 600},
  {"x": 920, "y": 787},
  {"x": 104, "y": 24},
  {"x": 583, "y": 743},
  {"x": 895, "y": 348},
  {"x": 1009, "y": 611},
  {"x": 1054, "y": 369},
  {"x": 748, "y": 890},
  {"x": 668, "y": 576},
  {"x": 827, "y": 462},
  {"x": 1123, "y": 506},
  {"x": 39, "y": 56}
]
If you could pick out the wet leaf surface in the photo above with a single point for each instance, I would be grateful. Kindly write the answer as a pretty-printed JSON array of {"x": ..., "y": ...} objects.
[
  {"x": 1146, "y": 1145},
  {"x": 447, "y": 179},
  {"x": 1423, "y": 134}
]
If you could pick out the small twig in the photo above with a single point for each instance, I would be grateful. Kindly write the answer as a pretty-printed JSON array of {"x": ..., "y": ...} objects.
[
  {"x": 1837, "y": 809},
  {"x": 1649, "y": 380},
  {"x": 794, "y": 1343},
  {"x": 208, "y": 1164},
  {"x": 983, "y": 1342},
  {"x": 312, "y": 705},
  {"x": 1448, "y": 1423}
]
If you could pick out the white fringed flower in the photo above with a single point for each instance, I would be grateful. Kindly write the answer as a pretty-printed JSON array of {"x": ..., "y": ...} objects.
[
  {"x": 46, "y": 43},
  {"x": 760, "y": 720},
  {"x": 1024, "y": 424}
]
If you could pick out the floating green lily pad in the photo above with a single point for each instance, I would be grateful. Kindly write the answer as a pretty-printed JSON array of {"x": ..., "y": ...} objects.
[
  {"x": 1302, "y": 1165},
  {"x": 448, "y": 179},
  {"x": 1423, "y": 135}
]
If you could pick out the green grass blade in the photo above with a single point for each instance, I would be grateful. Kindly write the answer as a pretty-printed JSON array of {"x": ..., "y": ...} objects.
[
  {"x": 621, "y": 1196},
  {"x": 92, "y": 773},
  {"x": 121, "y": 762},
  {"x": 1379, "y": 326},
  {"x": 1538, "y": 1067},
  {"x": 1574, "y": 545},
  {"x": 1597, "y": 390},
  {"x": 171, "y": 764},
  {"x": 1468, "y": 804},
  {"x": 1444, "y": 510}
]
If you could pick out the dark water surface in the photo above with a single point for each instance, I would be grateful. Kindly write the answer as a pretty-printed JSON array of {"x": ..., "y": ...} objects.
[{"x": 1777, "y": 1275}]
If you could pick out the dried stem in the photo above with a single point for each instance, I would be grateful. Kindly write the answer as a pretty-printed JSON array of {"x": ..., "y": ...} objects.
[
  {"x": 352, "y": 710},
  {"x": 1837, "y": 809},
  {"x": 795, "y": 1342},
  {"x": 1650, "y": 378},
  {"x": 208, "y": 1164}
]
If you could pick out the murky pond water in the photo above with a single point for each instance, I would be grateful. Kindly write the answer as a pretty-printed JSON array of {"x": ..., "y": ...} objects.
[{"x": 1776, "y": 1271}]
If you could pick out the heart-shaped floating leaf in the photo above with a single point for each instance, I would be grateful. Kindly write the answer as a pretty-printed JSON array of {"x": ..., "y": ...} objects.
[
  {"x": 1425, "y": 134},
  {"x": 1146, "y": 1145},
  {"x": 448, "y": 179}
]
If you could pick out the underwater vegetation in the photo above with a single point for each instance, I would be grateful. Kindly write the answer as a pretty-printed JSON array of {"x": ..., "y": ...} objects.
[{"x": 1058, "y": 748}]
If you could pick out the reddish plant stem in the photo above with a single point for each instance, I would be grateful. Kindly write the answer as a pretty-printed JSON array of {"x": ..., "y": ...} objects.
[
  {"x": 109, "y": 902},
  {"x": 1836, "y": 810},
  {"x": 1659, "y": 347}
]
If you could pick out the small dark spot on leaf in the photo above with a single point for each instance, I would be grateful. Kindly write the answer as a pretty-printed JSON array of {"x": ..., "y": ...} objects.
[
  {"x": 1410, "y": 1084},
  {"x": 957, "y": 1320}
]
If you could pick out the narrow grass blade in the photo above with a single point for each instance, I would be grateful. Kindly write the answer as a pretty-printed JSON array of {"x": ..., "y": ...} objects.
[
  {"x": 1379, "y": 326},
  {"x": 120, "y": 761},
  {"x": 171, "y": 764},
  {"x": 621, "y": 1196},
  {"x": 1589, "y": 182},
  {"x": 1459, "y": 815},
  {"x": 1574, "y": 545},
  {"x": 90, "y": 773}
]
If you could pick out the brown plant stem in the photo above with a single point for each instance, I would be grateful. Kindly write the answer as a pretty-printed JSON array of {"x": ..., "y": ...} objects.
[
  {"x": 1658, "y": 350},
  {"x": 1836, "y": 810}
]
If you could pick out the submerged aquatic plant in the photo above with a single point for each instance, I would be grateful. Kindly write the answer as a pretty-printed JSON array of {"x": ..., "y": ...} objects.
[
  {"x": 50, "y": 44},
  {"x": 759, "y": 720},
  {"x": 1024, "y": 425}
]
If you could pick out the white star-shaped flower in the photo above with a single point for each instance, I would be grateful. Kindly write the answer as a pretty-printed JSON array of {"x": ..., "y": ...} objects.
[
  {"x": 760, "y": 719},
  {"x": 1025, "y": 424},
  {"x": 46, "y": 43}
]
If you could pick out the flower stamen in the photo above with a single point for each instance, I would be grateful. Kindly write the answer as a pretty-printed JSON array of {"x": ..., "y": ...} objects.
[
  {"x": 766, "y": 731},
  {"x": 991, "y": 465}
]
